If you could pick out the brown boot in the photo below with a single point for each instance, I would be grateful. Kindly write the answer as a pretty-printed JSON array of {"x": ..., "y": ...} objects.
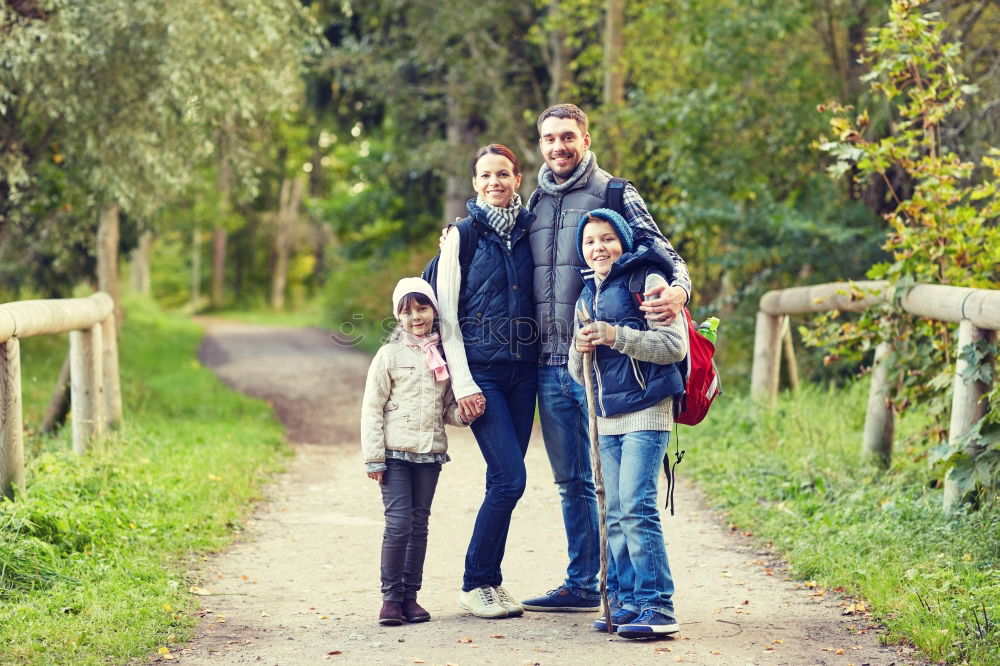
[
  {"x": 391, "y": 613},
  {"x": 413, "y": 612}
]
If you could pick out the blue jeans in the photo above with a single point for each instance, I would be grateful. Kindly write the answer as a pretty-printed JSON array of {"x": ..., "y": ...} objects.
[
  {"x": 407, "y": 493},
  {"x": 502, "y": 433},
  {"x": 562, "y": 407},
  {"x": 631, "y": 466}
]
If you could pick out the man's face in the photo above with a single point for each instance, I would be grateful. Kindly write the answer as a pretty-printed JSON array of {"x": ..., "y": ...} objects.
[{"x": 563, "y": 144}]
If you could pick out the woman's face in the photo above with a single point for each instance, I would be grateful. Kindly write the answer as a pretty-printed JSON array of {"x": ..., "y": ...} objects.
[{"x": 495, "y": 180}]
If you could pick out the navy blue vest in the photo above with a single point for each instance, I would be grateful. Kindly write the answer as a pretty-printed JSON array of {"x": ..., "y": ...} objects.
[
  {"x": 623, "y": 383},
  {"x": 496, "y": 308}
]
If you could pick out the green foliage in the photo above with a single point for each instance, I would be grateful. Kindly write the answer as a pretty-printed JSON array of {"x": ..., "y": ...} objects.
[
  {"x": 943, "y": 231},
  {"x": 93, "y": 564},
  {"x": 116, "y": 101},
  {"x": 792, "y": 477}
]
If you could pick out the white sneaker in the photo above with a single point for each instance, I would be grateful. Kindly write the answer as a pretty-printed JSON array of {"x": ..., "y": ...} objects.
[
  {"x": 482, "y": 602},
  {"x": 514, "y": 609}
]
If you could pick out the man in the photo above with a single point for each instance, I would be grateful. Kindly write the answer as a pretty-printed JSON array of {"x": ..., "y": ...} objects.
[{"x": 570, "y": 183}]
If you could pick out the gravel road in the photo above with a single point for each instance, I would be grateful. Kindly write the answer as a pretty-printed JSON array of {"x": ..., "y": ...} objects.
[{"x": 300, "y": 585}]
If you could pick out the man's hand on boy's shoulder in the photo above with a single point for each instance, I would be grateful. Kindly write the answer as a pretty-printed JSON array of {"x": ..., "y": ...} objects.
[{"x": 664, "y": 303}]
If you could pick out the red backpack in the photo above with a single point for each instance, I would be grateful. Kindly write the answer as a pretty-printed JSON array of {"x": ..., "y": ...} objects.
[{"x": 701, "y": 377}]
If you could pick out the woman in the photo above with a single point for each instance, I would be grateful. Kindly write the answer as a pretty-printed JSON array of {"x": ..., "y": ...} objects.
[{"x": 490, "y": 341}]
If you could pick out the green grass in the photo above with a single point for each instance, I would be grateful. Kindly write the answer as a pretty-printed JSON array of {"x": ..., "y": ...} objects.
[
  {"x": 794, "y": 478},
  {"x": 94, "y": 557}
]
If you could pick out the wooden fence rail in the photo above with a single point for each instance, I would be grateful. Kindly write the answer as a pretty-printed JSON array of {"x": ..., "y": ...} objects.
[
  {"x": 95, "y": 387},
  {"x": 976, "y": 311}
]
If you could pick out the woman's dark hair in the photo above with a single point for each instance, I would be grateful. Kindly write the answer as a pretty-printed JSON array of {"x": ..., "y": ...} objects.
[
  {"x": 496, "y": 149},
  {"x": 411, "y": 298}
]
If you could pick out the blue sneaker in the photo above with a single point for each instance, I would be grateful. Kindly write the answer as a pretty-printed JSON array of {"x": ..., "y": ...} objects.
[
  {"x": 619, "y": 617},
  {"x": 649, "y": 624},
  {"x": 561, "y": 599}
]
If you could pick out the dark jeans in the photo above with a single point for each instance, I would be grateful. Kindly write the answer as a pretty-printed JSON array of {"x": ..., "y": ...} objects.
[
  {"x": 407, "y": 492},
  {"x": 502, "y": 433}
]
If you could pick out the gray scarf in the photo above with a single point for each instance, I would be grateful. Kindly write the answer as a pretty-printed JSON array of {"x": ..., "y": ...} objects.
[
  {"x": 547, "y": 180},
  {"x": 501, "y": 219}
]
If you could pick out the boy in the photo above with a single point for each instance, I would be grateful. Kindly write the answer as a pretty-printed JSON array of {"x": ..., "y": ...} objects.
[{"x": 638, "y": 376}]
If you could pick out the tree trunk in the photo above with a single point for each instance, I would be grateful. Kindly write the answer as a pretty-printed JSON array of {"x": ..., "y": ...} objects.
[
  {"x": 195, "y": 267},
  {"x": 107, "y": 255},
  {"x": 219, "y": 238},
  {"x": 141, "y": 269},
  {"x": 461, "y": 141},
  {"x": 560, "y": 76},
  {"x": 614, "y": 82},
  {"x": 291, "y": 194}
]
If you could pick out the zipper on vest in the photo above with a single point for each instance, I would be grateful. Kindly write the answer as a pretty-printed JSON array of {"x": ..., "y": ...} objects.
[
  {"x": 600, "y": 386},
  {"x": 637, "y": 372},
  {"x": 556, "y": 224}
]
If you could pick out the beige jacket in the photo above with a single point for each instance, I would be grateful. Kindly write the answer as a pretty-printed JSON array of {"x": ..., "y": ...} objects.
[{"x": 404, "y": 408}]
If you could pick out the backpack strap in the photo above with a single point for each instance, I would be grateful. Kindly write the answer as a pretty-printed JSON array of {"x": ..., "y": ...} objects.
[
  {"x": 637, "y": 286},
  {"x": 614, "y": 195},
  {"x": 467, "y": 239}
]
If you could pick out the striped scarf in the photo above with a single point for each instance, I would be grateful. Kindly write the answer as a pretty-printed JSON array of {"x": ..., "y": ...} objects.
[{"x": 501, "y": 219}]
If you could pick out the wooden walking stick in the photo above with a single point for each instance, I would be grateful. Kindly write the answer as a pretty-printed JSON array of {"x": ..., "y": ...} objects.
[{"x": 595, "y": 461}]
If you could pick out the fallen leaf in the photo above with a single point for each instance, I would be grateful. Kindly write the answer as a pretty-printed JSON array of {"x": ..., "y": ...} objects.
[
  {"x": 810, "y": 584},
  {"x": 263, "y": 614},
  {"x": 324, "y": 617},
  {"x": 498, "y": 636},
  {"x": 779, "y": 641},
  {"x": 418, "y": 661},
  {"x": 335, "y": 652},
  {"x": 245, "y": 577},
  {"x": 167, "y": 607},
  {"x": 200, "y": 591},
  {"x": 716, "y": 652},
  {"x": 768, "y": 647},
  {"x": 840, "y": 651},
  {"x": 661, "y": 650},
  {"x": 163, "y": 650},
  {"x": 464, "y": 640},
  {"x": 746, "y": 602},
  {"x": 726, "y": 574}
]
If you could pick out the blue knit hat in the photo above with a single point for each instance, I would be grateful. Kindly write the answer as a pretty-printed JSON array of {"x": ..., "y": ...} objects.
[{"x": 617, "y": 221}]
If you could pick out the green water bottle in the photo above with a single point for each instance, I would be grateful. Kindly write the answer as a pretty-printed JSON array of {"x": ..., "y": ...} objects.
[{"x": 710, "y": 329}]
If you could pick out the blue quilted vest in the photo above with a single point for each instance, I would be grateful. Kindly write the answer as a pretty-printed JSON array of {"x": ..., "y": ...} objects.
[
  {"x": 496, "y": 309},
  {"x": 623, "y": 383}
]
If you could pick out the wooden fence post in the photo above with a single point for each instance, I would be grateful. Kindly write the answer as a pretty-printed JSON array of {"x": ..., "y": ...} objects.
[
  {"x": 879, "y": 419},
  {"x": 85, "y": 373},
  {"x": 766, "y": 358},
  {"x": 11, "y": 428},
  {"x": 793, "y": 365},
  {"x": 111, "y": 381},
  {"x": 967, "y": 404}
]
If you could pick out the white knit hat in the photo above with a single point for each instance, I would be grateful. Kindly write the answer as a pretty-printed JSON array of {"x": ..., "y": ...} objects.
[{"x": 412, "y": 285}]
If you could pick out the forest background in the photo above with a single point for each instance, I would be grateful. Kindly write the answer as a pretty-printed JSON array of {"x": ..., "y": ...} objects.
[
  {"x": 296, "y": 158},
  {"x": 275, "y": 154}
]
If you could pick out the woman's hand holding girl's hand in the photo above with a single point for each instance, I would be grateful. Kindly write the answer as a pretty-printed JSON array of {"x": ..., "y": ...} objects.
[
  {"x": 471, "y": 407},
  {"x": 376, "y": 476}
]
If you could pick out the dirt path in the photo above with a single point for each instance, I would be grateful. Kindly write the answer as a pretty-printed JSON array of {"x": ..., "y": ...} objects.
[{"x": 301, "y": 584}]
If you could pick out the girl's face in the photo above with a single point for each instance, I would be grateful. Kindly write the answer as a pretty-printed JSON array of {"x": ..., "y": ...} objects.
[
  {"x": 495, "y": 180},
  {"x": 601, "y": 246},
  {"x": 416, "y": 318}
]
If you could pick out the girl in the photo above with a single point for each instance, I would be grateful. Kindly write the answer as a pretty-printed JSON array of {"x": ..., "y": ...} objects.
[
  {"x": 491, "y": 342},
  {"x": 408, "y": 399},
  {"x": 639, "y": 376}
]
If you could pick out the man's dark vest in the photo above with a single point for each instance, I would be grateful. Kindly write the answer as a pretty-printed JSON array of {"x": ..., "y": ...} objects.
[
  {"x": 623, "y": 383},
  {"x": 557, "y": 265},
  {"x": 495, "y": 306}
]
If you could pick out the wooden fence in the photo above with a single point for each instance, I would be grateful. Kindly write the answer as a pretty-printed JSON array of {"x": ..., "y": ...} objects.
[
  {"x": 976, "y": 311},
  {"x": 95, "y": 388}
]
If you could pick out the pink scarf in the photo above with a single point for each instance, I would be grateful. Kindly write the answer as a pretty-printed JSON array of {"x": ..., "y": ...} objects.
[{"x": 429, "y": 345}]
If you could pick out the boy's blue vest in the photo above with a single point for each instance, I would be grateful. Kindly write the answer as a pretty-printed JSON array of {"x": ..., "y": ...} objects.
[
  {"x": 496, "y": 309},
  {"x": 623, "y": 383}
]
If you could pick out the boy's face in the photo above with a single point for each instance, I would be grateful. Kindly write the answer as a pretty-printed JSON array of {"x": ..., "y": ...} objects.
[
  {"x": 563, "y": 144},
  {"x": 601, "y": 246}
]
